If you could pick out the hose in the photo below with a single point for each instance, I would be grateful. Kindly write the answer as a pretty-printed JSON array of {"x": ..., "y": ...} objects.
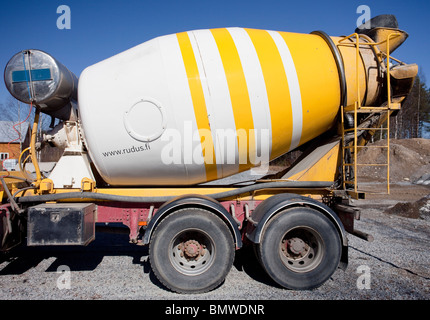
[
  {"x": 339, "y": 63},
  {"x": 219, "y": 195}
]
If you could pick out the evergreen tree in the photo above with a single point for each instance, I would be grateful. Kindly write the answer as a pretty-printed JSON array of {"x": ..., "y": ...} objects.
[{"x": 410, "y": 121}]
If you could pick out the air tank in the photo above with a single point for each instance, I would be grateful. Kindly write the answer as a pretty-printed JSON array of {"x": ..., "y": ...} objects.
[{"x": 201, "y": 105}]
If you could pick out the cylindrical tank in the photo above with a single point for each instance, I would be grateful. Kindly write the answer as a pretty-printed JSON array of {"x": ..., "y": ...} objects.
[
  {"x": 34, "y": 76},
  {"x": 201, "y": 105}
]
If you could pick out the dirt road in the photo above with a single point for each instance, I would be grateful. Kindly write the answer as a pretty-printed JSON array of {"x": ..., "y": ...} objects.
[{"x": 394, "y": 266}]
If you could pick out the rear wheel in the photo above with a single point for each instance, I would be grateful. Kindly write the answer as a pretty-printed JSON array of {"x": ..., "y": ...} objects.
[
  {"x": 191, "y": 251},
  {"x": 300, "y": 248}
]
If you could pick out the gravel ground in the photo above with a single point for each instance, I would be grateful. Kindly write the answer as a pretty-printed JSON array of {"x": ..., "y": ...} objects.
[{"x": 395, "y": 266}]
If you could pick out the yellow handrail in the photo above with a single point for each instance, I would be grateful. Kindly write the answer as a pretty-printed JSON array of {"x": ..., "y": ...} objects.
[
  {"x": 33, "y": 148},
  {"x": 357, "y": 104},
  {"x": 20, "y": 163}
]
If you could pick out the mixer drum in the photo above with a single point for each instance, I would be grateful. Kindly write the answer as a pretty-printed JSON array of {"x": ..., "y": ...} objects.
[{"x": 201, "y": 105}]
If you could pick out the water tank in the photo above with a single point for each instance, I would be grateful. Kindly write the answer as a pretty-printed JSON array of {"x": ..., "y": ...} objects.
[{"x": 34, "y": 76}]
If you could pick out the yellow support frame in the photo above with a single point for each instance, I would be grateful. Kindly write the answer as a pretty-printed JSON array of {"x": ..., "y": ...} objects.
[{"x": 260, "y": 194}]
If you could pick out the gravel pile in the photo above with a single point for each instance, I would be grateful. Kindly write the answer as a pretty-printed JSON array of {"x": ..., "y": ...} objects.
[
  {"x": 419, "y": 209},
  {"x": 409, "y": 160}
]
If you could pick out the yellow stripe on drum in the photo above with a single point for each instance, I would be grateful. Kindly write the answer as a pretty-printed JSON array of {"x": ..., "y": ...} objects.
[
  {"x": 319, "y": 82},
  {"x": 294, "y": 88},
  {"x": 199, "y": 105},
  {"x": 238, "y": 94},
  {"x": 277, "y": 90}
]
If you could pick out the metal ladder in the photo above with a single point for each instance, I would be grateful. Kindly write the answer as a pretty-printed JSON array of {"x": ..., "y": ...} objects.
[{"x": 351, "y": 147}]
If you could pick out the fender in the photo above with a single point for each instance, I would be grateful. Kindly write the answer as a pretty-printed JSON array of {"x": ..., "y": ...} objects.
[
  {"x": 196, "y": 201},
  {"x": 273, "y": 205}
]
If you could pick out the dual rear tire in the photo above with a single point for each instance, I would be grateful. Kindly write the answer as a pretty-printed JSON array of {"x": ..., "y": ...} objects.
[
  {"x": 192, "y": 250},
  {"x": 300, "y": 248}
]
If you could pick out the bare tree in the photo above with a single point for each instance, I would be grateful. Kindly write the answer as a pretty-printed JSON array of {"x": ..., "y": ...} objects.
[
  {"x": 13, "y": 114},
  {"x": 17, "y": 111}
]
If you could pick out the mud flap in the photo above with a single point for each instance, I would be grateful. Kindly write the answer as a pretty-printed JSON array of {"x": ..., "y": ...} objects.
[{"x": 11, "y": 228}]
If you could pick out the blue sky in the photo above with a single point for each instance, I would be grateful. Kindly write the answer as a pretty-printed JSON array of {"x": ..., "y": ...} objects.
[{"x": 100, "y": 29}]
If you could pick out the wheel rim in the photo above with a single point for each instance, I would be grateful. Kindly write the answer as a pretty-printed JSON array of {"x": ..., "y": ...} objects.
[
  {"x": 192, "y": 252},
  {"x": 301, "y": 249}
]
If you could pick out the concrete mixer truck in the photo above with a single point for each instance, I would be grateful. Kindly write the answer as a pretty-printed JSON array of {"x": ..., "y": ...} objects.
[{"x": 165, "y": 138}]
